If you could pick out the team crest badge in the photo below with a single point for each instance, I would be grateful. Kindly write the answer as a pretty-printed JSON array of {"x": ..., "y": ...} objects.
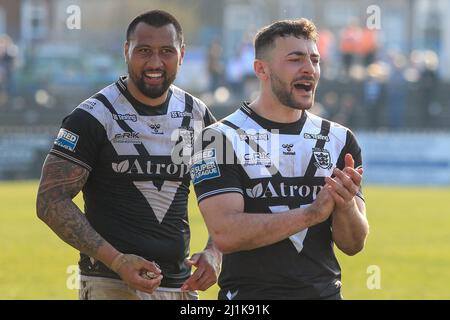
[{"x": 322, "y": 158}]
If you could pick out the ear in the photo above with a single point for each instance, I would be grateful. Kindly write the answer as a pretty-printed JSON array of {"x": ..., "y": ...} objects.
[
  {"x": 182, "y": 49},
  {"x": 126, "y": 48},
  {"x": 261, "y": 69}
]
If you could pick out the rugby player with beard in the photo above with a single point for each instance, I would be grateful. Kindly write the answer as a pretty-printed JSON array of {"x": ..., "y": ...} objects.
[
  {"x": 118, "y": 148},
  {"x": 293, "y": 189}
]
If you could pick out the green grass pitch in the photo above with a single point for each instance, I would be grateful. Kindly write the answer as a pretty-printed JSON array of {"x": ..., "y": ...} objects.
[{"x": 409, "y": 244}]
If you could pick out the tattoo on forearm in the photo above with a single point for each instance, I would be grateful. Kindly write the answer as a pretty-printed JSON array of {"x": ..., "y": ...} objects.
[{"x": 61, "y": 181}]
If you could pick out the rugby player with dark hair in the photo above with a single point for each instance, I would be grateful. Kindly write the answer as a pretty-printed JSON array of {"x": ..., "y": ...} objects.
[
  {"x": 293, "y": 186},
  {"x": 120, "y": 147}
]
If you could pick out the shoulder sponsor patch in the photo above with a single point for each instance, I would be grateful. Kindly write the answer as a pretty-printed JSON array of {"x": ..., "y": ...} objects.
[
  {"x": 66, "y": 139},
  {"x": 204, "y": 166}
]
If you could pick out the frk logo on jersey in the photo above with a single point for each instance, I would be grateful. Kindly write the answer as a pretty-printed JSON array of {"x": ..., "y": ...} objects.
[
  {"x": 257, "y": 158},
  {"x": 204, "y": 166},
  {"x": 127, "y": 137},
  {"x": 67, "y": 139},
  {"x": 322, "y": 157}
]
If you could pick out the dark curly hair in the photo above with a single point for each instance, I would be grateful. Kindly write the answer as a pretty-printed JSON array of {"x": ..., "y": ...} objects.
[
  {"x": 266, "y": 36},
  {"x": 156, "y": 18}
]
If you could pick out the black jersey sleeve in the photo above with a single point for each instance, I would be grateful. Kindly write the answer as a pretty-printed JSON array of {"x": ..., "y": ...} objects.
[
  {"x": 352, "y": 147},
  {"x": 214, "y": 167},
  {"x": 79, "y": 139}
]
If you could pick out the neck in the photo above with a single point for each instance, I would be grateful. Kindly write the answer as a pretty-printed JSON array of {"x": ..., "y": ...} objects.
[
  {"x": 139, "y": 96},
  {"x": 272, "y": 110}
]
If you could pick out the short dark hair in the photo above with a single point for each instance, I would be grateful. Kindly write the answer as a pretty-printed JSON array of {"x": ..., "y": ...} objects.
[
  {"x": 156, "y": 18},
  {"x": 266, "y": 36}
]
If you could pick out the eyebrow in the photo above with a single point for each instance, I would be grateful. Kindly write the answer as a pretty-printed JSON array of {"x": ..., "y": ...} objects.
[
  {"x": 144, "y": 45},
  {"x": 302, "y": 54}
]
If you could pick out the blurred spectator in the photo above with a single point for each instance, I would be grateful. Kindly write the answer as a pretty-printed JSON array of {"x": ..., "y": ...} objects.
[
  {"x": 8, "y": 53},
  {"x": 325, "y": 46},
  {"x": 349, "y": 45},
  {"x": 346, "y": 112},
  {"x": 368, "y": 46},
  {"x": 428, "y": 85},
  {"x": 235, "y": 75},
  {"x": 374, "y": 95},
  {"x": 397, "y": 91},
  {"x": 247, "y": 57},
  {"x": 215, "y": 65},
  {"x": 250, "y": 82},
  {"x": 330, "y": 104}
]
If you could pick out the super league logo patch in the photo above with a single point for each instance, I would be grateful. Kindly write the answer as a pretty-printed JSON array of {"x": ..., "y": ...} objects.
[
  {"x": 322, "y": 158},
  {"x": 204, "y": 166},
  {"x": 66, "y": 139}
]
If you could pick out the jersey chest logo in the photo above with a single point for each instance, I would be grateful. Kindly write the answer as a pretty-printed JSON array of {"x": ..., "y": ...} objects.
[
  {"x": 322, "y": 158},
  {"x": 155, "y": 128},
  {"x": 288, "y": 149}
]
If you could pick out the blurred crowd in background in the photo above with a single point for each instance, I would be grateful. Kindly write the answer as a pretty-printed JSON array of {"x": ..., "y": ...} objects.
[
  {"x": 390, "y": 75},
  {"x": 361, "y": 86},
  {"x": 367, "y": 83}
]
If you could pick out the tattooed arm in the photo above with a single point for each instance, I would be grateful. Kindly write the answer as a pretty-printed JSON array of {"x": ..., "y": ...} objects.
[{"x": 61, "y": 181}]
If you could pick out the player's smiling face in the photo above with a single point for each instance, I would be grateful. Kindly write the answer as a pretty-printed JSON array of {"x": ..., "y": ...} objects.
[
  {"x": 294, "y": 71},
  {"x": 153, "y": 55}
]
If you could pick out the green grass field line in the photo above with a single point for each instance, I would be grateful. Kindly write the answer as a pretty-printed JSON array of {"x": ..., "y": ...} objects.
[{"x": 409, "y": 243}]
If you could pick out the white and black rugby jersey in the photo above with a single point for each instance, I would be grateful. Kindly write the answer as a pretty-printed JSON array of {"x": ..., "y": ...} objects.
[
  {"x": 276, "y": 167},
  {"x": 136, "y": 194}
]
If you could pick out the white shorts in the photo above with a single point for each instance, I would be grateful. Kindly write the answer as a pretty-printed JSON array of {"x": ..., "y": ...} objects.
[{"x": 100, "y": 288}]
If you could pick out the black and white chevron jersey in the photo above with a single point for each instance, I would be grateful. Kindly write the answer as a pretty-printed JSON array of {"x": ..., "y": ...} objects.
[
  {"x": 276, "y": 167},
  {"x": 137, "y": 191}
]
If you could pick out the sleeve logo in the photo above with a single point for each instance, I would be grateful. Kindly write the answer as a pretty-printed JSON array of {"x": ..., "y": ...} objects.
[
  {"x": 66, "y": 139},
  {"x": 204, "y": 166}
]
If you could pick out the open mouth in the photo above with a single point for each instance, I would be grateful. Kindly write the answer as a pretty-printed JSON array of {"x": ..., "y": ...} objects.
[
  {"x": 154, "y": 76},
  {"x": 307, "y": 86}
]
